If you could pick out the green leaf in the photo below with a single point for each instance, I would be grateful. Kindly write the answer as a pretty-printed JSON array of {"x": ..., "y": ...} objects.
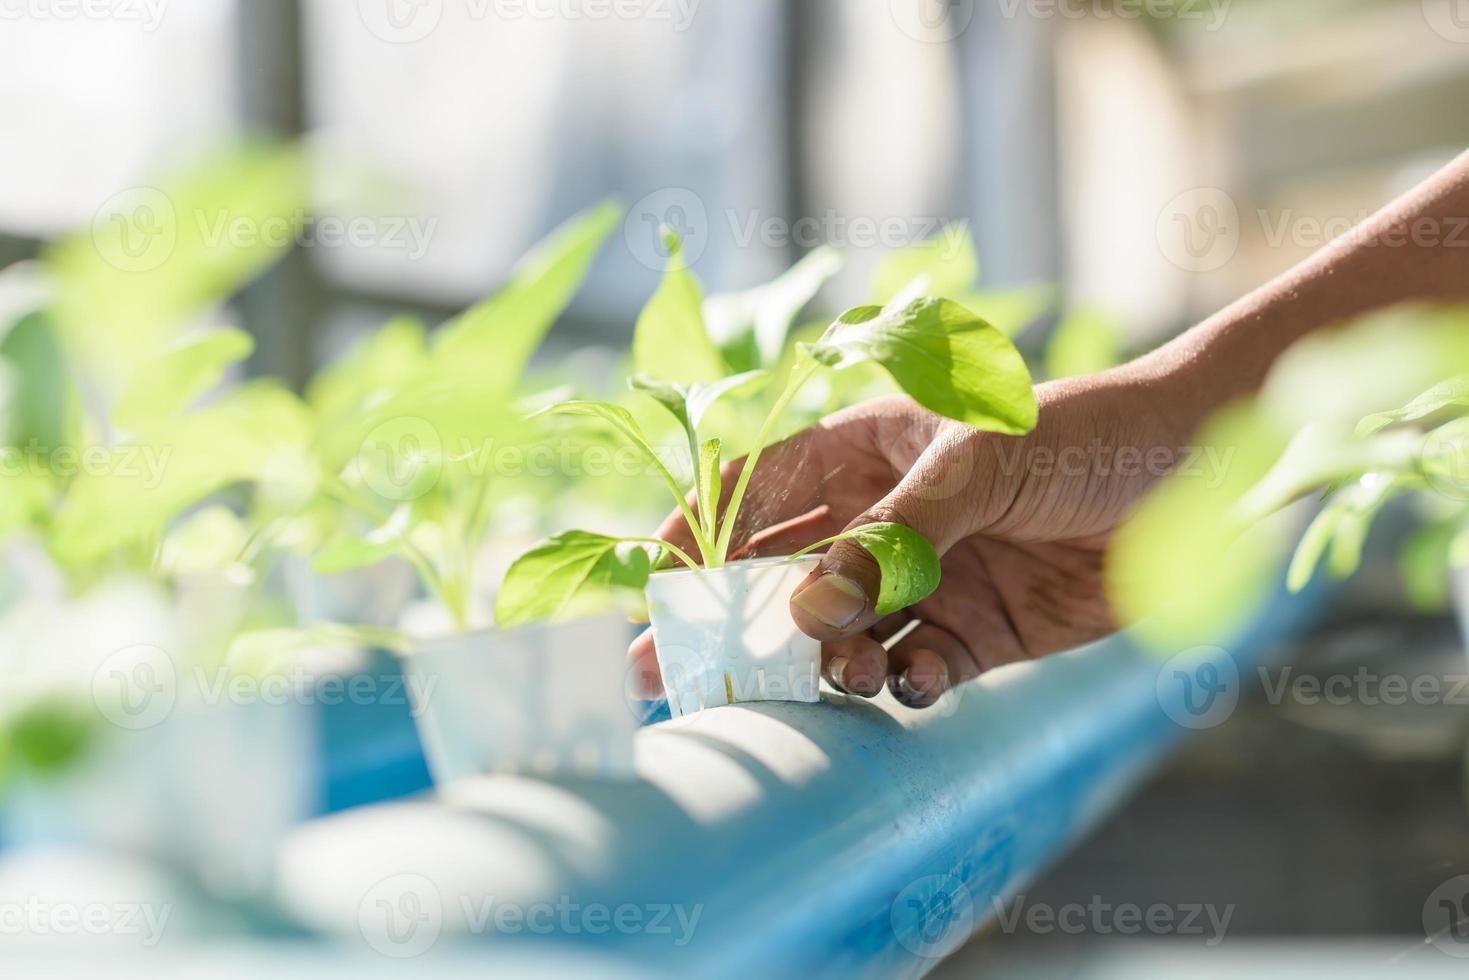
[
  {"x": 908, "y": 563},
  {"x": 944, "y": 265},
  {"x": 1085, "y": 342},
  {"x": 166, "y": 385},
  {"x": 670, "y": 340},
  {"x": 42, "y": 401},
  {"x": 544, "y": 580},
  {"x": 489, "y": 345},
  {"x": 209, "y": 540},
  {"x": 708, "y": 483},
  {"x": 1452, "y": 393},
  {"x": 691, "y": 402},
  {"x": 1423, "y": 565},
  {"x": 751, "y": 327},
  {"x": 130, "y": 284},
  {"x": 942, "y": 355},
  {"x": 53, "y": 731},
  {"x": 348, "y": 551},
  {"x": 1342, "y": 526}
]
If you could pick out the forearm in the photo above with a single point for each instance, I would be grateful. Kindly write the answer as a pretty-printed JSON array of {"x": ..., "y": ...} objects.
[{"x": 1416, "y": 248}]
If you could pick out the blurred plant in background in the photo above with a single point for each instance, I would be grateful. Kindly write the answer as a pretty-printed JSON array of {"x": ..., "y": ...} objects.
[{"x": 1364, "y": 414}]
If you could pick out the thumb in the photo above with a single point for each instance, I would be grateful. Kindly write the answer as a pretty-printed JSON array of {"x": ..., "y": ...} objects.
[{"x": 836, "y": 600}]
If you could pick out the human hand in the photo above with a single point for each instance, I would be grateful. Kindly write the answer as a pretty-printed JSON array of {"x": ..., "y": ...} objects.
[{"x": 1021, "y": 524}]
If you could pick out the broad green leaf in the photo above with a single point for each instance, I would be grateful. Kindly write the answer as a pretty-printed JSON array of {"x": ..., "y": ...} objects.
[
  {"x": 544, "y": 580},
  {"x": 1452, "y": 393},
  {"x": 708, "y": 482},
  {"x": 1423, "y": 566},
  {"x": 1085, "y": 342},
  {"x": 209, "y": 540},
  {"x": 186, "y": 369},
  {"x": 155, "y": 260},
  {"x": 42, "y": 401},
  {"x": 942, "y": 355},
  {"x": 351, "y": 388},
  {"x": 670, "y": 340},
  {"x": 944, "y": 265},
  {"x": 489, "y": 345},
  {"x": 908, "y": 563},
  {"x": 751, "y": 327},
  {"x": 131, "y": 491}
]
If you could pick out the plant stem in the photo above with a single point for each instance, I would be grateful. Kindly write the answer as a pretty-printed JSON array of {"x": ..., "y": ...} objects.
[
  {"x": 676, "y": 551},
  {"x": 800, "y": 374}
]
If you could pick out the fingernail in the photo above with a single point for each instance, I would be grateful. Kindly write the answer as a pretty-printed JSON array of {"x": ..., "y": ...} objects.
[
  {"x": 834, "y": 599},
  {"x": 907, "y": 694},
  {"x": 837, "y": 669}
]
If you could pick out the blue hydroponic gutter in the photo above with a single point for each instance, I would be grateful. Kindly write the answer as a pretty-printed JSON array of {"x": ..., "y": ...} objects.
[{"x": 773, "y": 840}]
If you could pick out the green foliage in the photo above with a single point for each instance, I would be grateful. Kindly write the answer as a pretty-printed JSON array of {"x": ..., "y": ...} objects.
[
  {"x": 908, "y": 563},
  {"x": 543, "y": 580},
  {"x": 942, "y": 355}
]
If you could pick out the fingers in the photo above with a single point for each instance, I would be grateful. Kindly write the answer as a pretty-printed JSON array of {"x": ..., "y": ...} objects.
[
  {"x": 960, "y": 663},
  {"x": 642, "y": 665},
  {"x": 858, "y": 665},
  {"x": 918, "y": 677},
  {"x": 836, "y": 599}
]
